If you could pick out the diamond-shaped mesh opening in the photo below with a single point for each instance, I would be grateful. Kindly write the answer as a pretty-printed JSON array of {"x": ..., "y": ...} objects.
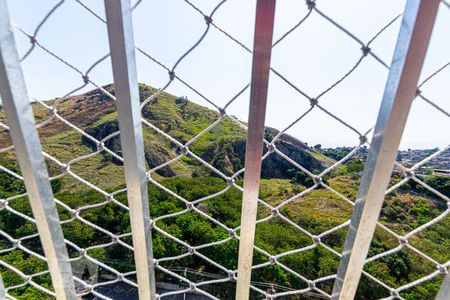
[
  {"x": 433, "y": 240},
  {"x": 399, "y": 267}
]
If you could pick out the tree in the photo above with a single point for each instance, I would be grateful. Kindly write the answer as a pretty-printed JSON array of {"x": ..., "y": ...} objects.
[{"x": 355, "y": 166}]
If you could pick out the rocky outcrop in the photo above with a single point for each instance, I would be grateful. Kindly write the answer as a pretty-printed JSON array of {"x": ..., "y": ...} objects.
[
  {"x": 223, "y": 146},
  {"x": 155, "y": 155},
  {"x": 229, "y": 156}
]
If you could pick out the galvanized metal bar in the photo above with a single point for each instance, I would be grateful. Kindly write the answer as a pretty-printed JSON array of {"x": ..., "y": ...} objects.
[
  {"x": 121, "y": 42},
  {"x": 444, "y": 291},
  {"x": 262, "y": 47},
  {"x": 409, "y": 54},
  {"x": 24, "y": 135},
  {"x": 2, "y": 288}
]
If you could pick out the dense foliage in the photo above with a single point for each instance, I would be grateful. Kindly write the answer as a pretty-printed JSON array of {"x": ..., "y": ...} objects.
[
  {"x": 404, "y": 210},
  {"x": 223, "y": 147}
]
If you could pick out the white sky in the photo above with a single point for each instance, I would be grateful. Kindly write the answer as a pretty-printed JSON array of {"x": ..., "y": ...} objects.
[{"x": 312, "y": 57}]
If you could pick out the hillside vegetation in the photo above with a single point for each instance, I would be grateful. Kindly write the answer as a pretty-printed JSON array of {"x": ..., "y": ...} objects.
[
  {"x": 224, "y": 148},
  {"x": 95, "y": 113}
]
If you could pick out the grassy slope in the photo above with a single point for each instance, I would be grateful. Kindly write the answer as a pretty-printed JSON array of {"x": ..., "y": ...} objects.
[
  {"x": 317, "y": 211},
  {"x": 182, "y": 122}
]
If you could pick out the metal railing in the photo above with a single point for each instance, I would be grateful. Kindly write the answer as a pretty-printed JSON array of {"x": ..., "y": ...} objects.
[{"x": 401, "y": 88}]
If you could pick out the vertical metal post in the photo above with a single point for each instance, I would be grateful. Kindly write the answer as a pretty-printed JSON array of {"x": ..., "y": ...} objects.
[
  {"x": 28, "y": 149},
  {"x": 121, "y": 42},
  {"x": 444, "y": 291},
  {"x": 2, "y": 289},
  {"x": 412, "y": 44},
  {"x": 265, "y": 14}
]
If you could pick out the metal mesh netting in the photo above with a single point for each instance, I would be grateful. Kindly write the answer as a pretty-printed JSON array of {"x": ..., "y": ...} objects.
[{"x": 181, "y": 254}]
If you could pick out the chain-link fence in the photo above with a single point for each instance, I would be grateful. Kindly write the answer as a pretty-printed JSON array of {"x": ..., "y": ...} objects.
[{"x": 195, "y": 222}]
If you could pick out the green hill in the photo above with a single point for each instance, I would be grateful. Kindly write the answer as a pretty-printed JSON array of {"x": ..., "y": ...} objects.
[{"x": 224, "y": 148}]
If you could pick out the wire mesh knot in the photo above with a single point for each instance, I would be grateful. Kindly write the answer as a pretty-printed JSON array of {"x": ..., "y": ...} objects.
[
  {"x": 232, "y": 274},
  {"x": 230, "y": 181},
  {"x": 184, "y": 150},
  {"x": 52, "y": 110},
  {"x": 3, "y": 204},
  {"x": 402, "y": 240},
  {"x": 100, "y": 146},
  {"x": 271, "y": 147},
  {"x": 311, "y": 284},
  {"x": 155, "y": 262},
  {"x": 316, "y": 239},
  {"x": 115, "y": 239},
  {"x": 409, "y": 173},
  {"x": 317, "y": 180},
  {"x": 85, "y": 79},
  {"x": 190, "y": 206},
  {"x": 33, "y": 39},
  {"x": 191, "y": 250},
  {"x": 222, "y": 112},
  {"x": 152, "y": 224},
  {"x": 274, "y": 212},
  {"x": 394, "y": 293},
  {"x": 65, "y": 169},
  {"x": 362, "y": 139},
  {"x": 75, "y": 213},
  {"x": 172, "y": 75},
  {"x": 311, "y": 4},
  {"x": 365, "y": 50},
  {"x": 109, "y": 198},
  {"x": 208, "y": 20},
  {"x": 16, "y": 243},
  {"x": 82, "y": 253},
  {"x": 232, "y": 232},
  {"x": 313, "y": 102},
  {"x": 442, "y": 269},
  {"x": 273, "y": 260}
]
